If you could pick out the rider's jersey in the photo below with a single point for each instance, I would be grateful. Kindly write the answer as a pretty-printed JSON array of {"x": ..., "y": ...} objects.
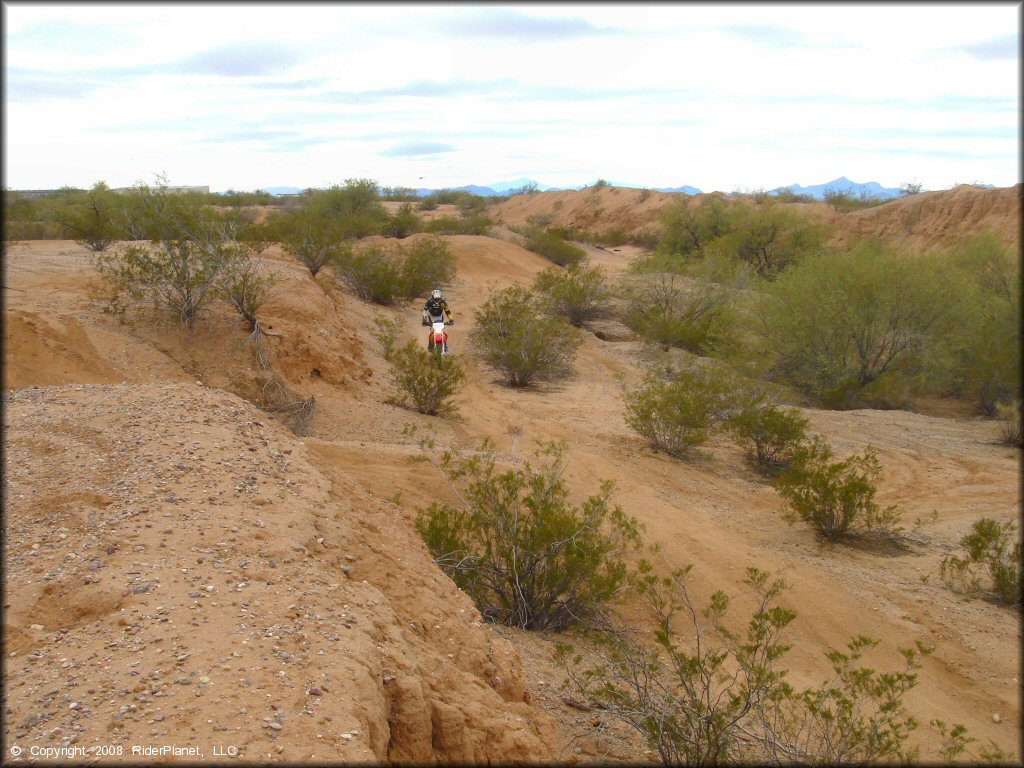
[{"x": 435, "y": 308}]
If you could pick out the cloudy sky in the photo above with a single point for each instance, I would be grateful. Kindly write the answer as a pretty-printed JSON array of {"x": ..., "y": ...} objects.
[{"x": 721, "y": 96}]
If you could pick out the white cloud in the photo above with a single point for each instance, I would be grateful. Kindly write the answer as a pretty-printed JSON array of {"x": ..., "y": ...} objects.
[{"x": 717, "y": 96}]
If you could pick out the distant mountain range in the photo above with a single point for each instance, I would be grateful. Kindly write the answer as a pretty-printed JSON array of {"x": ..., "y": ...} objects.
[{"x": 499, "y": 188}]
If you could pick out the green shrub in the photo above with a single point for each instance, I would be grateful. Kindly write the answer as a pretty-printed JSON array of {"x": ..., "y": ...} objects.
[
  {"x": 835, "y": 323},
  {"x": 427, "y": 263},
  {"x": 520, "y": 550},
  {"x": 245, "y": 284},
  {"x": 845, "y": 202},
  {"x": 672, "y": 311},
  {"x": 1010, "y": 427},
  {"x": 524, "y": 345},
  {"x": 552, "y": 247},
  {"x": 687, "y": 229},
  {"x": 388, "y": 273},
  {"x": 836, "y": 498},
  {"x": 474, "y": 224},
  {"x": 986, "y": 358},
  {"x": 317, "y": 242},
  {"x": 429, "y": 381},
  {"x": 677, "y": 411},
  {"x": 180, "y": 277},
  {"x": 353, "y": 210},
  {"x": 769, "y": 433},
  {"x": 578, "y": 293},
  {"x": 990, "y": 546},
  {"x": 403, "y": 223},
  {"x": 723, "y": 698},
  {"x": 769, "y": 237},
  {"x": 93, "y": 218}
]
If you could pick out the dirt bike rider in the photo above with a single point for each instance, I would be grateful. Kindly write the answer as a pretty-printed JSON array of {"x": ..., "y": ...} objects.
[{"x": 435, "y": 309}]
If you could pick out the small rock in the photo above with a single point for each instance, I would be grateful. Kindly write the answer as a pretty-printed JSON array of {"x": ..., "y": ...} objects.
[
  {"x": 75, "y": 706},
  {"x": 315, "y": 692},
  {"x": 274, "y": 726},
  {"x": 997, "y": 718},
  {"x": 36, "y": 626},
  {"x": 204, "y": 679},
  {"x": 95, "y": 565}
]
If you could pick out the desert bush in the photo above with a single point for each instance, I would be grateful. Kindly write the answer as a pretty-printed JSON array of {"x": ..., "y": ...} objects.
[
  {"x": 316, "y": 241},
  {"x": 245, "y": 284},
  {"x": 696, "y": 314},
  {"x": 516, "y": 339},
  {"x": 552, "y": 247},
  {"x": 177, "y": 276},
  {"x": 516, "y": 545},
  {"x": 986, "y": 359},
  {"x": 474, "y": 224},
  {"x": 403, "y": 223},
  {"x": 769, "y": 237},
  {"x": 835, "y": 323},
  {"x": 770, "y": 434},
  {"x": 990, "y": 546},
  {"x": 387, "y": 273},
  {"x": 1011, "y": 431},
  {"x": 687, "y": 229},
  {"x": 430, "y": 382},
  {"x": 845, "y": 202},
  {"x": 836, "y": 498},
  {"x": 353, "y": 209},
  {"x": 92, "y": 218},
  {"x": 427, "y": 263},
  {"x": 710, "y": 694},
  {"x": 403, "y": 194},
  {"x": 677, "y": 411},
  {"x": 578, "y": 293}
]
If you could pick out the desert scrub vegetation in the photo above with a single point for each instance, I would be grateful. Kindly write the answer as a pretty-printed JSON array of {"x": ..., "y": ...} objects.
[
  {"x": 524, "y": 345},
  {"x": 1011, "y": 430},
  {"x": 769, "y": 434},
  {"x": 768, "y": 236},
  {"x": 991, "y": 548},
  {"x": 520, "y": 549},
  {"x": 390, "y": 272},
  {"x": 552, "y": 247},
  {"x": 192, "y": 259},
  {"x": 676, "y": 411},
  {"x": 986, "y": 357},
  {"x": 847, "y": 201},
  {"x": 578, "y": 292},
  {"x": 697, "y": 313},
  {"x": 426, "y": 382},
  {"x": 847, "y": 327},
  {"x": 708, "y": 691},
  {"x": 836, "y": 498}
]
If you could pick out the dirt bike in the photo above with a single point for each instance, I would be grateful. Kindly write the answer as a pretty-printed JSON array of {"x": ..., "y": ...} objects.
[{"x": 437, "y": 342}]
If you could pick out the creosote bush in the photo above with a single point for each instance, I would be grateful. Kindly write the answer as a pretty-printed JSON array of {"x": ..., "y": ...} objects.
[
  {"x": 677, "y": 411},
  {"x": 516, "y": 545},
  {"x": 770, "y": 434},
  {"x": 520, "y": 342},
  {"x": 837, "y": 498},
  {"x": 428, "y": 381},
  {"x": 578, "y": 293},
  {"x": 388, "y": 273},
  {"x": 554, "y": 248},
  {"x": 990, "y": 546},
  {"x": 707, "y": 693},
  {"x": 1011, "y": 430}
]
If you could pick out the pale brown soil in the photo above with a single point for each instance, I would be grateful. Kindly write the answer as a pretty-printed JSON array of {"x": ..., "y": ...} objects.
[{"x": 184, "y": 570}]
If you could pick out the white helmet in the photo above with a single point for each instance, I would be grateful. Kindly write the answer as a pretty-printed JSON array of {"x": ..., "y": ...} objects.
[{"x": 436, "y": 294}]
